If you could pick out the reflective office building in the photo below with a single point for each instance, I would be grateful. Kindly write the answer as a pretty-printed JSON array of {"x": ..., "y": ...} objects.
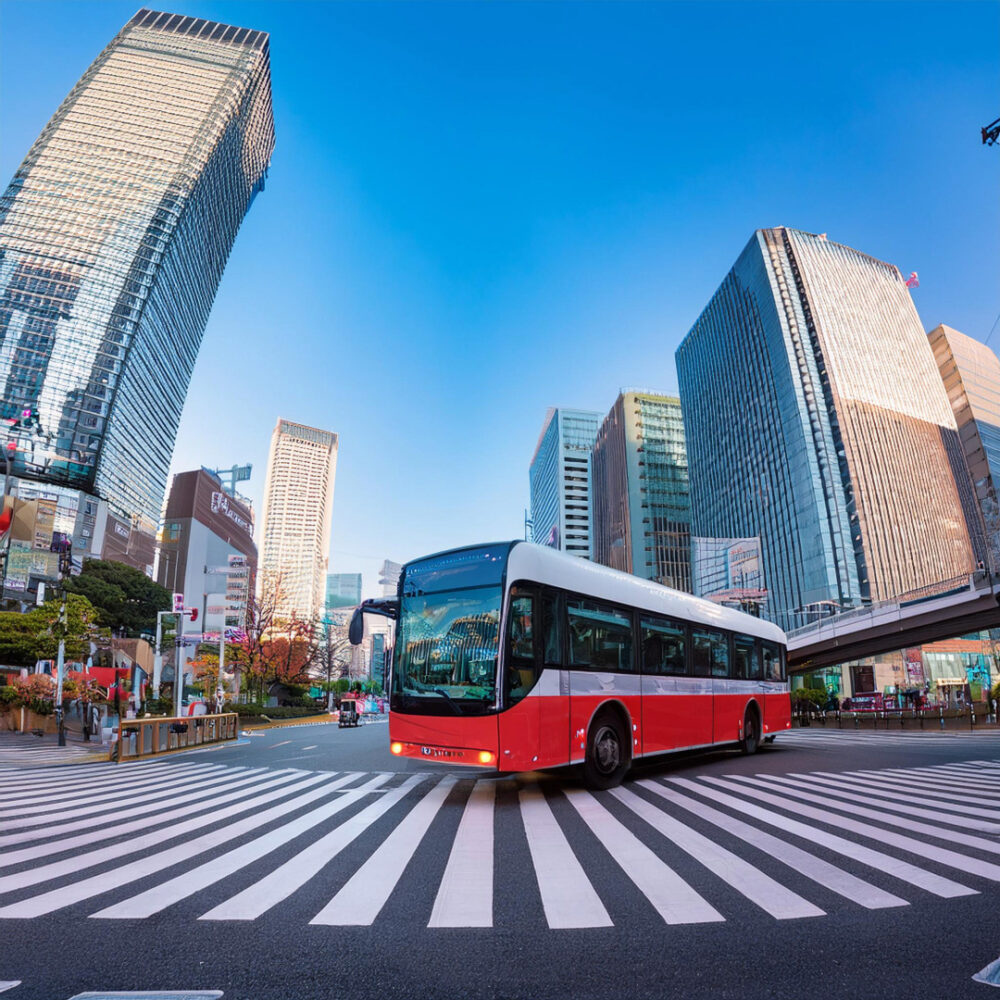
[
  {"x": 641, "y": 507},
  {"x": 971, "y": 375},
  {"x": 816, "y": 420},
  {"x": 114, "y": 234},
  {"x": 559, "y": 477}
]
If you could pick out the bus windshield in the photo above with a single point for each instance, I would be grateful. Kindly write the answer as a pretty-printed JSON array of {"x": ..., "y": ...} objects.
[{"x": 449, "y": 631}]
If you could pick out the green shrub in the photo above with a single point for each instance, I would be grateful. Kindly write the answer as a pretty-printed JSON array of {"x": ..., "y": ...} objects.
[
  {"x": 9, "y": 697},
  {"x": 809, "y": 699}
]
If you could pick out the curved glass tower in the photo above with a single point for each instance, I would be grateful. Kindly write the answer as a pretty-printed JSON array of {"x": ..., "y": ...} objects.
[
  {"x": 816, "y": 420},
  {"x": 114, "y": 234}
]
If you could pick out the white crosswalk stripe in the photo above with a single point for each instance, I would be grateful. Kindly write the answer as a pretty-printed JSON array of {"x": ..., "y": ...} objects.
[
  {"x": 132, "y": 843},
  {"x": 830, "y": 735},
  {"x": 33, "y": 754}
]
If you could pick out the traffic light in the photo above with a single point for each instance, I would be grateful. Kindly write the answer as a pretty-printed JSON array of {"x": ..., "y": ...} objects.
[{"x": 194, "y": 614}]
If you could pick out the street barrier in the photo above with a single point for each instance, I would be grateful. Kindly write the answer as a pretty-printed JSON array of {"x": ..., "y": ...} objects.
[
  {"x": 138, "y": 738},
  {"x": 977, "y": 716}
]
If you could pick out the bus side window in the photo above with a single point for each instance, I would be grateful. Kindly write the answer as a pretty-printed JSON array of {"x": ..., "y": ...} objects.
[
  {"x": 551, "y": 639},
  {"x": 772, "y": 661},
  {"x": 747, "y": 665},
  {"x": 600, "y": 637},
  {"x": 711, "y": 653},
  {"x": 662, "y": 646},
  {"x": 521, "y": 671}
]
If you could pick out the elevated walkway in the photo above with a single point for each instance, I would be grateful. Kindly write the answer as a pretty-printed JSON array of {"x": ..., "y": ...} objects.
[{"x": 942, "y": 611}]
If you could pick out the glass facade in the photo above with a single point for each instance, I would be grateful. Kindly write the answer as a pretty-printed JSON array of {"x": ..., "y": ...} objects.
[
  {"x": 559, "y": 477},
  {"x": 641, "y": 505},
  {"x": 817, "y": 422},
  {"x": 343, "y": 590},
  {"x": 971, "y": 375},
  {"x": 114, "y": 234}
]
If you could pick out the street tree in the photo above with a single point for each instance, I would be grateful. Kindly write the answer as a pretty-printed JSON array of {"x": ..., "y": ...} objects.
[
  {"x": 126, "y": 600},
  {"x": 34, "y": 635}
]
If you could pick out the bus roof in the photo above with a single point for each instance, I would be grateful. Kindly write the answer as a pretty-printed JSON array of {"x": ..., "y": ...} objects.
[{"x": 539, "y": 563}]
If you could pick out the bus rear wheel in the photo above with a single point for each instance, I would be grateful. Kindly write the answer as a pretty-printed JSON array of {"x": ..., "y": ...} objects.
[
  {"x": 607, "y": 757},
  {"x": 751, "y": 732}
]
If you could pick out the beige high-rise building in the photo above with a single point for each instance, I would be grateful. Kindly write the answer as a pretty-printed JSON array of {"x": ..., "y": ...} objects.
[
  {"x": 971, "y": 375},
  {"x": 298, "y": 509}
]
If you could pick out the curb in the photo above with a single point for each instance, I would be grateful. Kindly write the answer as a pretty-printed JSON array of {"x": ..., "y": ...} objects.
[{"x": 305, "y": 720}]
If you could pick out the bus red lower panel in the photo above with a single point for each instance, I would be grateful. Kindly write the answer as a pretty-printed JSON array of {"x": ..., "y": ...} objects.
[
  {"x": 777, "y": 713},
  {"x": 534, "y": 733},
  {"x": 450, "y": 739},
  {"x": 676, "y": 712}
]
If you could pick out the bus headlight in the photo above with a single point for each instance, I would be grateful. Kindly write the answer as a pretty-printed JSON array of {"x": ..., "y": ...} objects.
[
  {"x": 396, "y": 748},
  {"x": 487, "y": 757}
]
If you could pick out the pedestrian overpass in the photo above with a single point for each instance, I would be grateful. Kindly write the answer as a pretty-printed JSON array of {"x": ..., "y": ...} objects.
[{"x": 941, "y": 611}]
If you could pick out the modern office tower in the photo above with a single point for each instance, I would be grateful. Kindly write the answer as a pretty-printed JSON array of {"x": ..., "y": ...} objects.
[
  {"x": 343, "y": 590},
  {"x": 114, "y": 234},
  {"x": 971, "y": 375},
  {"x": 560, "y": 480},
  {"x": 298, "y": 508},
  {"x": 816, "y": 420},
  {"x": 641, "y": 507},
  {"x": 388, "y": 577}
]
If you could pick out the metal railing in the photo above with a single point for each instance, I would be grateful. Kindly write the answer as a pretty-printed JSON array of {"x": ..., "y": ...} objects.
[
  {"x": 932, "y": 716},
  {"x": 943, "y": 588},
  {"x": 138, "y": 738}
]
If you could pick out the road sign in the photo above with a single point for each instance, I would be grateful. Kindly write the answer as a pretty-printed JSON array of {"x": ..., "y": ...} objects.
[{"x": 178, "y": 602}]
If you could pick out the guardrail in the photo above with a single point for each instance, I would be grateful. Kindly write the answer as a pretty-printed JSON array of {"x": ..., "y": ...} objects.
[
  {"x": 979, "y": 714},
  {"x": 138, "y": 738}
]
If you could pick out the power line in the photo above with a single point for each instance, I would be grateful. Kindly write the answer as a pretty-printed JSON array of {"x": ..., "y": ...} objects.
[{"x": 992, "y": 329}]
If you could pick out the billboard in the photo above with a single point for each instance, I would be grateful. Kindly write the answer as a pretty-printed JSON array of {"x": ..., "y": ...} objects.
[{"x": 727, "y": 568}]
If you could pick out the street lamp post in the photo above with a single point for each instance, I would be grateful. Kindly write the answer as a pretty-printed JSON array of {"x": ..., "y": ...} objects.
[
  {"x": 157, "y": 653},
  {"x": 60, "y": 665}
]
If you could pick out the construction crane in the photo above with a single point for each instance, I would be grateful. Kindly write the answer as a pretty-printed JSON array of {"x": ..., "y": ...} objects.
[{"x": 991, "y": 133}]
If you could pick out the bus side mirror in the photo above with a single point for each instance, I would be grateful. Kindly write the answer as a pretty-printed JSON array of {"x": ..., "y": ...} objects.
[{"x": 356, "y": 630}]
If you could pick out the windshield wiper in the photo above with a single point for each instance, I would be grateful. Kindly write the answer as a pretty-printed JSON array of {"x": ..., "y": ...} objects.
[{"x": 451, "y": 701}]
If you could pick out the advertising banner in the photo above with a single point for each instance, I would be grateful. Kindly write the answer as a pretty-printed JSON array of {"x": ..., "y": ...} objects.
[
  {"x": 726, "y": 566},
  {"x": 914, "y": 667},
  {"x": 18, "y": 565},
  {"x": 44, "y": 523}
]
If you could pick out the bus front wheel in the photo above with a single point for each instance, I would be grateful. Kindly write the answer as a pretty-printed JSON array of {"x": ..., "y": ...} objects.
[
  {"x": 751, "y": 732},
  {"x": 607, "y": 757}
]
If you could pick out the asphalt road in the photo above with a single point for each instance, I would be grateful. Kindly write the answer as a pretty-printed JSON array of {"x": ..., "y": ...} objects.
[{"x": 308, "y": 862}]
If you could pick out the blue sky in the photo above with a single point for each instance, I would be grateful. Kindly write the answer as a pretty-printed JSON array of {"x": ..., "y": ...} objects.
[{"x": 476, "y": 211}]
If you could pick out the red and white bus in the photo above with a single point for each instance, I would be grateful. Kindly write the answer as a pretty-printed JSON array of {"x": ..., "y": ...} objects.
[{"x": 517, "y": 656}]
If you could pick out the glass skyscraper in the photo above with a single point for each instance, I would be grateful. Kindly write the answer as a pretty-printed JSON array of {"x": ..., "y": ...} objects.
[
  {"x": 343, "y": 590},
  {"x": 816, "y": 421},
  {"x": 971, "y": 375},
  {"x": 114, "y": 234},
  {"x": 559, "y": 477},
  {"x": 640, "y": 501}
]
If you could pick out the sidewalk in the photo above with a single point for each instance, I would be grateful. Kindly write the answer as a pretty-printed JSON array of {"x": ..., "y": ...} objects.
[{"x": 33, "y": 751}]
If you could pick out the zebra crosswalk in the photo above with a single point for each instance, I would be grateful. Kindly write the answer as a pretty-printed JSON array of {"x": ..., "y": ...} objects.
[
  {"x": 32, "y": 752},
  {"x": 212, "y": 842},
  {"x": 820, "y": 736}
]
